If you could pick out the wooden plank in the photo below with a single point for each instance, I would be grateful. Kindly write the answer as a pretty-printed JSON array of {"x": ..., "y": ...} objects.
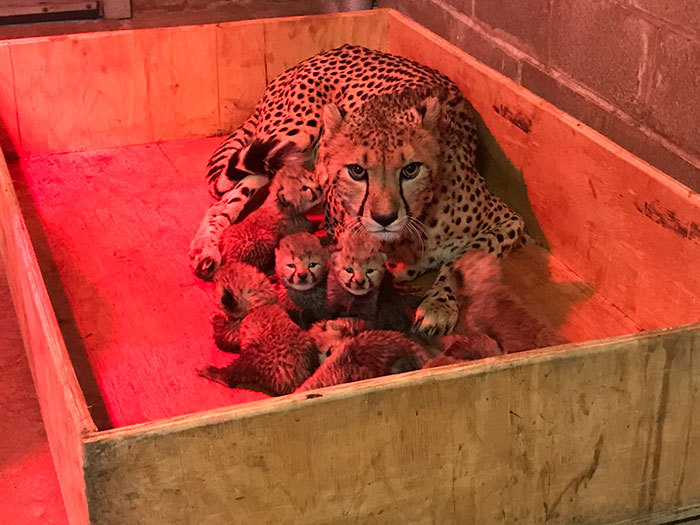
[
  {"x": 619, "y": 224},
  {"x": 595, "y": 432},
  {"x": 63, "y": 407},
  {"x": 240, "y": 52},
  {"x": 115, "y": 88},
  {"x": 118, "y": 224},
  {"x": 288, "y": 41},
  {"x": 9, "y": 130}
]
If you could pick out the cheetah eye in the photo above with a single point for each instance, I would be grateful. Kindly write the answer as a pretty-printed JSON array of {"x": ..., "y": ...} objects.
[
  {"x": 313, "y": 265},
  {"x": 349, "y": 270},
  {"x": 369, "y": 271},
  {"x": 291, "y": 265},
  {"x": 356, "y": 172},
  {"x": 305, "y": 188},
  {"x": 328, "y": 352},
  {"x": 411, "y": 171}
]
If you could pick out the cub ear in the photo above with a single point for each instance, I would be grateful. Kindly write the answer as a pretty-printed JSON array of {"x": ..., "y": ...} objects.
[
  {"x": 332, "y": 118},
  {"x": 429, "y": 110}
]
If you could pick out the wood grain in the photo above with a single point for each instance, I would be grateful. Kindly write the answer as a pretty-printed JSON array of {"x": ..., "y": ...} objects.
[
  {"x": 115, "y": 88},
  {"x": 619, "y": 224},
  {"x": 240, "y": 52},
  {"x": 288, "y": 41},
  {"x": 592, "y": 432},
  {"x": 63, "y": 406},
  {"x": 9, "y": 130}
]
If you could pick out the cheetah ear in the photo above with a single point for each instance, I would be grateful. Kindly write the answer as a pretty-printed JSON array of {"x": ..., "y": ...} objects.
[
  {"x": 429, "y": 111},
  {"x": 332, "y": 117}
]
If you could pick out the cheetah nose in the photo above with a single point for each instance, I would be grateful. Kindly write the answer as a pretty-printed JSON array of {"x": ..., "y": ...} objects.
[
  {"x": 360, "y": 282},
  {"x": 302, "y": 276},
  {"x": 385, "y": 220}
]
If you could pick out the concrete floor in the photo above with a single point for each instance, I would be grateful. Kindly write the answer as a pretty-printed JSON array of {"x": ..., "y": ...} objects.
[{"x": 29, "y": 492}]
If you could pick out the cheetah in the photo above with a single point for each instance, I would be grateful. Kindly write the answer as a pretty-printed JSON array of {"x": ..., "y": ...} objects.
[{"x": 393, "y": 143}]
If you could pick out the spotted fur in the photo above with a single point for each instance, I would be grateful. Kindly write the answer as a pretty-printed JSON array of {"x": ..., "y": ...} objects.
[
  {"x": 408, "y": 128},
  {"x": 253, "y": 240},
  {"x": 492, "y": 309},
  {"x": 275, "y": 354},
  {"x": 370, "y": 353},
  {"x": 240, "y": 289}
]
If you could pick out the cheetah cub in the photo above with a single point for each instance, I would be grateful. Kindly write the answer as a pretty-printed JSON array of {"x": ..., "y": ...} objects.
[
  {"x": 301, "y": 266},
  {"x": 355, "y": 278},
  {"x": 240, "y": 288},
  {"x": 292, "y": 193},
  {"x": 493, "y": 309},
  {"x": 359, "y": 285}
]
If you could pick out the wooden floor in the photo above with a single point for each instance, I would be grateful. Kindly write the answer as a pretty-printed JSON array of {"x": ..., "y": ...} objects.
[{"x": 112, "y": 229}]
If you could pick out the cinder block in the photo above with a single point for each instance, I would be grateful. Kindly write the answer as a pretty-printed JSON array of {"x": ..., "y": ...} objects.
[
  {"x": 626, "y": 135},
  {"x": 442, "y": 22},
  {"x": 525, "y": 22},
  {"x": 674, "y": 92},
  {"x": 604, "y": 47},
  {"x": 685, "y": 13}
]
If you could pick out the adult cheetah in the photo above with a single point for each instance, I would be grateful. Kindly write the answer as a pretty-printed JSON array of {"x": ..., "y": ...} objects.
[{"x": 396, "y": 145}]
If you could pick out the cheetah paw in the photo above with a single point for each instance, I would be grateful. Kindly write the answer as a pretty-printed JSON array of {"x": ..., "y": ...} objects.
[
  {"x": 434, "y": 317},
  {"x": 205, "y": 258}
]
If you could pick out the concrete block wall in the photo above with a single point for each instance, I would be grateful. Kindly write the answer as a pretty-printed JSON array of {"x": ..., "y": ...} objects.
[{"x": 628, "y": 68}]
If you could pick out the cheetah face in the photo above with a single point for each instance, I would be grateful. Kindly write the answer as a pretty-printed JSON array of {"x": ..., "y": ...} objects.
[
  {"x": 359, "y": 274},
  {"x": 300, "y": 261},
  {"x": 381, "y": 163}
]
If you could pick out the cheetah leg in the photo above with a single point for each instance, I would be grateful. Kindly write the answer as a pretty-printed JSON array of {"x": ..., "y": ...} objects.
[
  {"x": 501, "y": 235},
  {"x": 438, "y": 312},
  {"x": 205, "y": 256}
]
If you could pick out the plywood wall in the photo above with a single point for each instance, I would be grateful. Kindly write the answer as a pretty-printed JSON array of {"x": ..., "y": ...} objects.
[
  {"x": 81, "y": 92},
  {"x": 595, "y": 434}
]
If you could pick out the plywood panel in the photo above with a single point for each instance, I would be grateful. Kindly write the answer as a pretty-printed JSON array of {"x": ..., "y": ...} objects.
[
  {"x": 241, "y": 71},
  {"x": 628, "y": 229},
  {"x": 559, "y": 436},
  {"x": 115, "y": 88},
  {"x": 288, "y": 41},
  {"x": 63, "y": 406},
  {"x": 9, "y": 131}
]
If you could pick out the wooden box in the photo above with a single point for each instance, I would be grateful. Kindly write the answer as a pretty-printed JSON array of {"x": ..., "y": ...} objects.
[{"x": 110, "y": 131}]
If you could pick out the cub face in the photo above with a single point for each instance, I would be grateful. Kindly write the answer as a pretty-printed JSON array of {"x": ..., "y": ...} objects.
[
  {"x": 297, "y": 189},
  {"x": 301, "y": 262},
  {"x": 359, "y": 263},
  {"x": 381, "y": 160}
]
